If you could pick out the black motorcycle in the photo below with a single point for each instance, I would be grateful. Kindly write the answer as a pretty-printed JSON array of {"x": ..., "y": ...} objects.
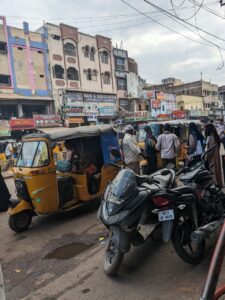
[
  {"x": 210, "y": 204},
  {"x": 130, "y": 201}
]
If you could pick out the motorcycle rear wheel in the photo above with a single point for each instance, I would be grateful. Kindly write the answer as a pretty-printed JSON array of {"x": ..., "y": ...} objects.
[
  {"x": 113, "y": 258},
  {"x": 181, "y": 238}
]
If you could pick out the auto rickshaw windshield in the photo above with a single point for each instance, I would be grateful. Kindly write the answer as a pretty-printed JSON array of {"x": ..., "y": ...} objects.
[{"x": 33, "y": 154}]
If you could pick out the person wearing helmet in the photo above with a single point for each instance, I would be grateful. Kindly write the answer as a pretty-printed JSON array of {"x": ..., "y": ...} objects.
[{"x": 130, "y": 149}]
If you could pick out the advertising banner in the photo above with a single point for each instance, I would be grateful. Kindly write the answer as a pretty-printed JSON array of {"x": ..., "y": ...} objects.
[
  {"x": 178, "y": 114},
  {"x": 106, "y": 111},
  {"x": 74, "y": 99},
  {"x": 21, "y": 124},
  {"x": 41, "y": 121}
]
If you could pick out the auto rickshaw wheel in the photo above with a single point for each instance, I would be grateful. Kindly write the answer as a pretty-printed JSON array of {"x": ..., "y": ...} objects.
[{"x": 20, "y": 221}]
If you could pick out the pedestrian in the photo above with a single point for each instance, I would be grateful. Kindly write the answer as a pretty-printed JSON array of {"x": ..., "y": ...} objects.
[
  {"x": 150, "y": 151},
  {"x": 5, "y": 195},
  {"x": 130, "y": 149},
  {"x": 168, "y": 145},
  {"x": 8, "y": 151},
  {"x": 221, "y": 131},
  {"x": 213, "y": 157},
  {"x": 195, "y": 143}
]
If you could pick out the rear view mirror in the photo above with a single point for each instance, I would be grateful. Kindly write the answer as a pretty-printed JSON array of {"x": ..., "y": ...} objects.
[{"x": 115, "y": 153}]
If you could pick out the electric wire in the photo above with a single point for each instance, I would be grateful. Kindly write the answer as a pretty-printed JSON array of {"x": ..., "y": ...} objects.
[{"x": 189, "y": 18}]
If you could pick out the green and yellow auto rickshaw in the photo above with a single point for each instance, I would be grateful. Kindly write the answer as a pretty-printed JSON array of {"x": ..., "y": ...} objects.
[{"x": 46, "y": 185}]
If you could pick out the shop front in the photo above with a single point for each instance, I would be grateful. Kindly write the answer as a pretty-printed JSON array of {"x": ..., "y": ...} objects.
[{"x": 88, "y": 108}]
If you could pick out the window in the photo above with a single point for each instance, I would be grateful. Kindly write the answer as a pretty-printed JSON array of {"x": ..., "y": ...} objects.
[
  {"x": 86, "y": 51},
  {"x": 56, "y": 37},
  {"x": 105, "y": 57},
  {"x": 70, "y": 49},
  {"x": 58, "y": 72},
  {"x": 120, "y": 63},
  {"x": 72, "y": 74},
  {"x": 92, "y": 54},
  {"x": 94, "y": 74},
  {"x": 139, "y": 107},
  {"x": 40, "y": 52},
  {"x": 121, "y": 84},
  {"x": 106, "y": 78},
  {"x": 89, "y": 74},
  {"x": 163, "y": 108},
  {"x": 20, "y": 48},
  {"x": 3, "y": 47},
  {"x": 42, "y": 76},
  {"x": 5, "y": 79},
  {"x": 33, "y": 154},
  {"x": 147, "y": 107}
]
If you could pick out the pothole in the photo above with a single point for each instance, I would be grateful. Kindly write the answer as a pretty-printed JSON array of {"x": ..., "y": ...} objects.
[{"x": 68, "y": 251}]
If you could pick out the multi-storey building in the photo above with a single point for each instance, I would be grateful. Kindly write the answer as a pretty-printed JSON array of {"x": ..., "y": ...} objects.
[
  {"x": 121, "y": 71},
  {"x": 25, "y": 85},
  {"x": 82, "y": 75},
  {"x": 206, "y": 90}
]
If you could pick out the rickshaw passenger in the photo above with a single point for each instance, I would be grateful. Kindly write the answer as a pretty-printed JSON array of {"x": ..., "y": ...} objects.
[{"x": 72, "y": 155}]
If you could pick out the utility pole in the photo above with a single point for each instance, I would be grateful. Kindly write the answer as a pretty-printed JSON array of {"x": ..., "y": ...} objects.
[{"x": 222, "y": 3}]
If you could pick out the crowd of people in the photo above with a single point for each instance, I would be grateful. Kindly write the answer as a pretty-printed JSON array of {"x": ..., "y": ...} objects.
[{"x": 168, "y": 145}]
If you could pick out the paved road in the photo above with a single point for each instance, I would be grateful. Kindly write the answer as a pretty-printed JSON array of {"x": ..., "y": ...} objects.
[{"x": 44, "y": 263}]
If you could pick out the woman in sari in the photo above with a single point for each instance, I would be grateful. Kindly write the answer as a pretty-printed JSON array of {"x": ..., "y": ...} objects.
[{"x": 213, "y": 157}]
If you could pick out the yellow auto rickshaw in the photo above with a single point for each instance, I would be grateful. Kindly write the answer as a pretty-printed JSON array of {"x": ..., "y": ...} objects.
[
  {"x": 178, "y": 127},
  {"x": 45, "y": 186}
]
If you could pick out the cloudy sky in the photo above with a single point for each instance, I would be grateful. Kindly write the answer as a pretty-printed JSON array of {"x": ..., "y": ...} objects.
[{"x": 160, "y": 52}]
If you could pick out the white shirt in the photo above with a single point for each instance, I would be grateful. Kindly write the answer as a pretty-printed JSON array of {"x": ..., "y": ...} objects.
[
  {"x": 131, "y": 150},
  {"x": 167, "y": 143},
  {"x": 8, "y": 150}
]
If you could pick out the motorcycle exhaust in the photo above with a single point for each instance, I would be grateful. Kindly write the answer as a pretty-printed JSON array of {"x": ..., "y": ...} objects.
[{"x": 201, "y": 233}]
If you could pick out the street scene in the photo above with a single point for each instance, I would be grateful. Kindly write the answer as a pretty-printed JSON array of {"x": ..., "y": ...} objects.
[{"x": 112, "y": 150}]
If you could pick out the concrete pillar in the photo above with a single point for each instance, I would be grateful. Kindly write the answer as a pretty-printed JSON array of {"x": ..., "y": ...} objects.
[{"x": 20, "y": 110}]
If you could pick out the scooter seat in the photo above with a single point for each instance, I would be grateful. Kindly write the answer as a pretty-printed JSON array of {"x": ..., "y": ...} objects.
[{"x": 183, "y": 190}]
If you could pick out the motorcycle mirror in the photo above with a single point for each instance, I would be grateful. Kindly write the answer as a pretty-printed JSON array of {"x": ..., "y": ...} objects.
[{"x": 115, "y": 153}]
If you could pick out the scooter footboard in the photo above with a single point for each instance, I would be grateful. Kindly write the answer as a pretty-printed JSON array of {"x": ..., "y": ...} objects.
[{"x": 121, "y": 238}]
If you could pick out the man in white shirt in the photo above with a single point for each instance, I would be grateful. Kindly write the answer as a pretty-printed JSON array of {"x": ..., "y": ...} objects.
[
  {"x": 8, "y": 151},
  {"x": 168, "y": 144},
  {"x": 130, "y": 149}
]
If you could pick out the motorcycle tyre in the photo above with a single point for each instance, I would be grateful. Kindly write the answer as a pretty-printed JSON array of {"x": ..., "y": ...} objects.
[
  {"x": 180, "y": 251},
  {"x": 112, "y": 268}
]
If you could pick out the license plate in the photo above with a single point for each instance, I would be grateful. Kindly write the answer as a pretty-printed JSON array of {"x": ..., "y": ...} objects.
[{"x": 166, "y": 215}]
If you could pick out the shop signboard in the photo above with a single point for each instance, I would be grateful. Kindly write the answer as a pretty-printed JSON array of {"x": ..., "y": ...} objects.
[
  {"x": 178, "y": 114},
  {"x": 21, "y": 124},
  {"x": 42, "y": 121},
  {"x": 73, "y": 111},
  {"x": 5, "y": 132},
  {"x": 156, "y": 104},
  {"x": 160, "y": 96},
  {"x": 99, "y": 98},
  {"x": 106, "y": 111},
  {"x": 74, "y": 99}
]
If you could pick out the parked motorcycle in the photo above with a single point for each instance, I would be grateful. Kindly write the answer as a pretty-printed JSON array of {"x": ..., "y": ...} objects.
[
  {"x": 210, "y": 204},
  {"x": 130, "y": 201}
]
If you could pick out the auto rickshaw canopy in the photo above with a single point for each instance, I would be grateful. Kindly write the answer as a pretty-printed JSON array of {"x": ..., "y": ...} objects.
[{"x": 62, "y": 133}]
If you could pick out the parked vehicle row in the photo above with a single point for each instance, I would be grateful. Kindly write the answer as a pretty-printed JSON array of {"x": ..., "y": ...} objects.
[{"x": 185, "y": 214}]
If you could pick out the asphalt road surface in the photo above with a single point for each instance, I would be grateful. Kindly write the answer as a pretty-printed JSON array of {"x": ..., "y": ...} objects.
[{"x": 61, "y": 257}]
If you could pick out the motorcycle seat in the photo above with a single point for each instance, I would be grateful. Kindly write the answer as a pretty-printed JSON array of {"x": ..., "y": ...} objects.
[
  {"x": 189, "y": 175},
  {"x": 183, "y": 190}
]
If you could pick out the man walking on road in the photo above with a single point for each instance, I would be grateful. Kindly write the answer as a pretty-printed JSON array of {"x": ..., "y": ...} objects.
[
  {"x": 130, "y": 149},
  {"x": 168, "y": 144}
]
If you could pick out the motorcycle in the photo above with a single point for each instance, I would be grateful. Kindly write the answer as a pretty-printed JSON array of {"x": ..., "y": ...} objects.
[
  {"x": 210, "y": 204},
  {"x": 130, "y": 201}
]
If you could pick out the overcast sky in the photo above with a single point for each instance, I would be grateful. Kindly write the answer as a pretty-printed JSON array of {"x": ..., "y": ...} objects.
[{"x": 159, "y": 52}]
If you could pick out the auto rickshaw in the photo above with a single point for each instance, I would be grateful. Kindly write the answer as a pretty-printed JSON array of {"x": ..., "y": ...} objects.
[
  {"x": 178, "y": 127},
  {"x": 45, "y": 186}
]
